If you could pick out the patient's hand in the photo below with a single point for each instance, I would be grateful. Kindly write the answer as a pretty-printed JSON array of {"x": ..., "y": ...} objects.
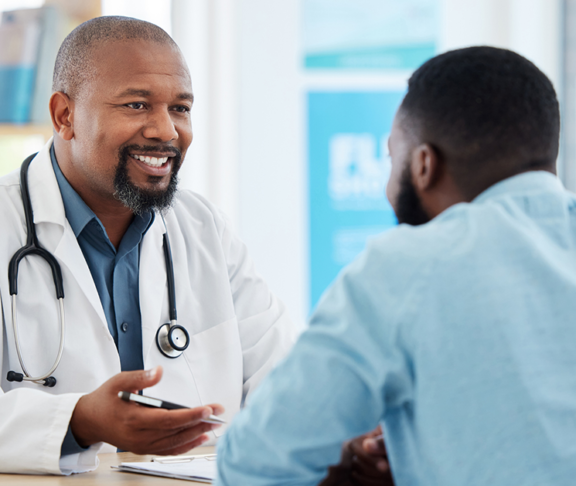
[{"x": 364, "y": 463}]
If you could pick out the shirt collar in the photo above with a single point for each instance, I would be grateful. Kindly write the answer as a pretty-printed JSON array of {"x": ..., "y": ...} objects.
[{"x": 532, "y": 181}]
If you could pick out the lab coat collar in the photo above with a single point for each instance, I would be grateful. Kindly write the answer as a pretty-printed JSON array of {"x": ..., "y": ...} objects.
[
  {"x": 44, "y": 191},
  {"x": 48, "y": 209}
]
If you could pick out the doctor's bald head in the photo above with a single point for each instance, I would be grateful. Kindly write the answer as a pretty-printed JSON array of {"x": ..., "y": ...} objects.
[
  {"x": 74, "y": 65},
  {"x": 121, "y": 103}
]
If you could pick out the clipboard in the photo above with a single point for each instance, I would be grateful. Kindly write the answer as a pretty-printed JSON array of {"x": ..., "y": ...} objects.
[{"x": 190, "y": 468}]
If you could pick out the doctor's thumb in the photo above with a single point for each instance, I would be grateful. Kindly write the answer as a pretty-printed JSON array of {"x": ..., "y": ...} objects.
[{"x": 134, "y": 381}]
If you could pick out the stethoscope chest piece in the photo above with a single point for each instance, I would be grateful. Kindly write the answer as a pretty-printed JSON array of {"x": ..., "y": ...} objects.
[{"x": 172, "y": 340}]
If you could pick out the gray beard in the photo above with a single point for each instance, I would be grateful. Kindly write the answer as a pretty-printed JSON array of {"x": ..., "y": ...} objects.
[{"x": 141, "y": 201}]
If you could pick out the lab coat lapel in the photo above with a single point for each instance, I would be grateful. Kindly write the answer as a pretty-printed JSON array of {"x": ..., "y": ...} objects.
[
  {"x": 54, "y": 231},
  {"x": 153, "y": 289}
]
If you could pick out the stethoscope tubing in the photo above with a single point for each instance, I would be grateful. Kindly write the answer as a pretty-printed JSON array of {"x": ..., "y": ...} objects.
[
  {"x": 164, "y": 340},
  {"x": 33, "y": 247},
  {"x": 39, "y": 379}
]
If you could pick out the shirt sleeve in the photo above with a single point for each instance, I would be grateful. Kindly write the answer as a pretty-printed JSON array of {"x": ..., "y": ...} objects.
[
  {"x": 33, "y": 425},
  {"x": 69, "y": 444},
  {"x": 332, "y": 387}
]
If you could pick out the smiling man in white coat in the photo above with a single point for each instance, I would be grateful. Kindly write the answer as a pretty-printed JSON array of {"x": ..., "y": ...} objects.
[{"x": 103, "y": 197}]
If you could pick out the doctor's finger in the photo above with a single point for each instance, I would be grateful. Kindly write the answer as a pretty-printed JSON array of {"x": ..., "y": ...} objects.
[
  {"x": 184, "y": 439},
  {"x": 170, "y": 420},
  {"x": 134, "y": 380},
  {"x": 217, "y": 409}
]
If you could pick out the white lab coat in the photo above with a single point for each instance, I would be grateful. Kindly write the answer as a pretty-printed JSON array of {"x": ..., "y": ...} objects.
[{"x": 238, "y": 329}]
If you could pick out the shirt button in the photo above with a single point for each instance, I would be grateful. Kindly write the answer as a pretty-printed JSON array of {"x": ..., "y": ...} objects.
[{"x": 124, "y": 327}]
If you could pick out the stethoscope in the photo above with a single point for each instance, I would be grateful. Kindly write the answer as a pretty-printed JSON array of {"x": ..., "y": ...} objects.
[{"x": 171, "y": 338}]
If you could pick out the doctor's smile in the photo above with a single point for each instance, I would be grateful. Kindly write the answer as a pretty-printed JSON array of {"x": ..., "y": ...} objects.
[{"x": 156, "y": 161}]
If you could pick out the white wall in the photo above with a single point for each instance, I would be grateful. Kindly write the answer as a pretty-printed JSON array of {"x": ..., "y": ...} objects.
[
  {"x": 532, "y": 28},
  {"x": 272, "y": 171}
]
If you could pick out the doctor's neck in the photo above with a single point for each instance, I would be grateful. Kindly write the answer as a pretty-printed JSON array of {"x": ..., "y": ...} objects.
[{"x": 114, "y": 216}]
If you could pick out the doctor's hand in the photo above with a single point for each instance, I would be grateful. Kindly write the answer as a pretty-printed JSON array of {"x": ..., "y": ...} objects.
[{"x": 101, "y": 416}]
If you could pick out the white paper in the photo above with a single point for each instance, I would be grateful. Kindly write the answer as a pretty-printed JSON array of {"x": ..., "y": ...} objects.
[{"x": 200, "y": 469}]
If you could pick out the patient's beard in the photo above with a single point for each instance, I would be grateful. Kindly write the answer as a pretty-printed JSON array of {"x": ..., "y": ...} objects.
[{"x": 409, "y": 208}]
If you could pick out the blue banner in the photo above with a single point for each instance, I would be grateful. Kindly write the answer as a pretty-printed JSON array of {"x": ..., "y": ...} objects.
[{"x": 349, "y": 168}]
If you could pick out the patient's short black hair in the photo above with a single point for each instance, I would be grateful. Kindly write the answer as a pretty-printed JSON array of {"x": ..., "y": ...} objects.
[
  {"x": 74, "y": 64},
  {"x": 490, "y": 113}
]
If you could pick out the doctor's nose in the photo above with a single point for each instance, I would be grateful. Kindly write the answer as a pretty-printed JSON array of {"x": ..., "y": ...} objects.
[{"x": 160, "y": 126}]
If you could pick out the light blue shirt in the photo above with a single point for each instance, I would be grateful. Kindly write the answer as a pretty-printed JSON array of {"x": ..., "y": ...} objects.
[{"x": 458, "y": 336}]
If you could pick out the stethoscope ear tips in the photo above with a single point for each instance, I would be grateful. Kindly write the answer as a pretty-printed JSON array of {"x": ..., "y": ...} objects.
[
  {"x": 50, "y": 381},
  {"x": 13, "y": 376}
]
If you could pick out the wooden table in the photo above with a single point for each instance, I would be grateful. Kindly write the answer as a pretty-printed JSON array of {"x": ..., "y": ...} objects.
[{"x": 103, "y": 475}]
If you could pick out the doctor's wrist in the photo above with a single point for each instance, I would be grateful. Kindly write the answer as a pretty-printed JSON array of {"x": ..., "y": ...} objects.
[{"x": 81, "y": 425}]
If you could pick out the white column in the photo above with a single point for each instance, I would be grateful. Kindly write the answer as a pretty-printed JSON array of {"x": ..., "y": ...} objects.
[
  {"x": 273, "y": 189},
  {"x": 536, "y": 33},
  {"x": 205, "y": 30},
  {"x": 224, "y": 123},
  {"x": 466, "y": 23},
  {"x": 190, "y": 30}
]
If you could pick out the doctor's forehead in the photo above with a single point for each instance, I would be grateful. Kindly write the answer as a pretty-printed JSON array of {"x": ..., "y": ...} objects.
[
  {"x": 140, "y": 68},
  {"x": 114, "y": 39}
]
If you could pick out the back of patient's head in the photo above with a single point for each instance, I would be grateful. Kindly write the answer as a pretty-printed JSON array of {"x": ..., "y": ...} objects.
[
  {"x": 489, "y": 113},
  {"x": 74, "y": 63}
]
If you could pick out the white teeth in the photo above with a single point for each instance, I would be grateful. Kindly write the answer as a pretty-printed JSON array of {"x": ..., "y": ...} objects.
[{"x": 151, "y": 161}]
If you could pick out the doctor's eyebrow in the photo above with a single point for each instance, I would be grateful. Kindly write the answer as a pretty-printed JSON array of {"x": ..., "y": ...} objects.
[
  {"x": 134, "y": 92},
  {"x": 146, "y": 93}
]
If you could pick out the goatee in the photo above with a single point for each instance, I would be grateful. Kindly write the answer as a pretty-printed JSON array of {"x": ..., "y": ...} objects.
[{"x": 139, "y": 200}]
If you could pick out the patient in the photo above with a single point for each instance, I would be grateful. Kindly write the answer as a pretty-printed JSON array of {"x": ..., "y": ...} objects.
[{"x": 455, "y": 331}]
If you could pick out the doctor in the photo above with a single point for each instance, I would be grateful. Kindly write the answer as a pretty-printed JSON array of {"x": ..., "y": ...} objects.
[{"x": 103, "y": 196}]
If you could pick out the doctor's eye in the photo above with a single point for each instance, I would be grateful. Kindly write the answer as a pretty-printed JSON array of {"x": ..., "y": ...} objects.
[
  {"x": 182, "y": 109},
  {"x": 136, "y": 105}
]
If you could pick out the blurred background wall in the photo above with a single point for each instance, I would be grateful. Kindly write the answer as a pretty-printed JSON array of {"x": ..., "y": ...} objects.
[{"x": 294, "y": 101}]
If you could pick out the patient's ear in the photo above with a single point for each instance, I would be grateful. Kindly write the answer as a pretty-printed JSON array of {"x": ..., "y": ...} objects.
[
  {"x": 425, "y": 167},
  {"x": 62, "y": 113}
]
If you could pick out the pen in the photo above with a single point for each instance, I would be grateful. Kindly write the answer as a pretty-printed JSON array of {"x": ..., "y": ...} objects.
[{"x": 157, "y": 403}]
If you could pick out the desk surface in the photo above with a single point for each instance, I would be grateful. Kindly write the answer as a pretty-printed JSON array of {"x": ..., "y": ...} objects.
[{"x": 103, "y": 475}]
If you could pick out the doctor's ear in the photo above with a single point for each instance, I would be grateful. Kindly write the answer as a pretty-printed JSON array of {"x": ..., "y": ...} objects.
[{"x": 61, "y": 111}]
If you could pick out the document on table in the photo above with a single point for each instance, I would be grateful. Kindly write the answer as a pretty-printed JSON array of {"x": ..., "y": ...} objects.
[{"x": 200, "y": 469}]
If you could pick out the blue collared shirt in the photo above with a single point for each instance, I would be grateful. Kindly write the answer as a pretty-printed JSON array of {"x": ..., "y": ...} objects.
[
  {"x": 458, "y": 336},
  {"x": 115, "y": 272}
]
